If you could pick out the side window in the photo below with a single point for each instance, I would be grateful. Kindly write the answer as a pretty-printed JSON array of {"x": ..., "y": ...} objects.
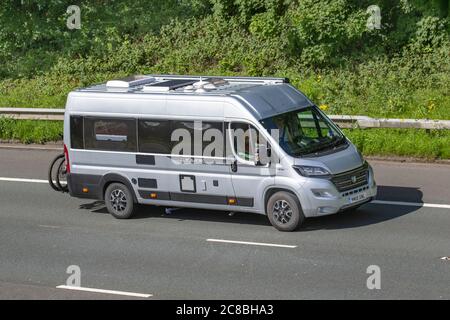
[
  {"x": 213, "y": 142},
  {"x": 199, "y": 138},
  {"x": 76, "y": 132},
  {"x": 244, "y": 139},
  {"x": 154, "y": 136},
  {"x": 110, "y": 134},
  {"x": 182, "y": 137}
]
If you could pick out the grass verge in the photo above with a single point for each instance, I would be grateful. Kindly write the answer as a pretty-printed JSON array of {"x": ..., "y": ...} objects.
[
  {"x": 419, "y": 143},
  {"x": 30, "y": 131}
]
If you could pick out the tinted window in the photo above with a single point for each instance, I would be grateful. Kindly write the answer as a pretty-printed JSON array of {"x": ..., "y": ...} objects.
[
  {"x": 76, "y": 132},
  {"x": 110, "y": 134},
  {"x": 200, "y": 138},
  {"x": 154, "y": 136},
  {"x": 182, "y": 137},
  {"x": 213, "y": 139}
]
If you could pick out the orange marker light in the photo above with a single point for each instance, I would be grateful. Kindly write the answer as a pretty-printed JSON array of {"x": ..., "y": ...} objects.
[
  {"x": 153, "y": 195},
  {"x": 85, "y": 190},
  {"x": 231, "y": 201}
]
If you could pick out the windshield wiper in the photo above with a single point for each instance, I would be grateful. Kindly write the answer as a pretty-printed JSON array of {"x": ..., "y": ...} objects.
[
  {"x": 329, "y": 145},
  {"x": 339, "y": 141}
]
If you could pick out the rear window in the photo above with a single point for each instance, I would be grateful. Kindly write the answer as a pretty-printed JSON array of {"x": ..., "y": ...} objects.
[
  {"x": 110, "y": 134},
  {"x": 76, "y": 132}
]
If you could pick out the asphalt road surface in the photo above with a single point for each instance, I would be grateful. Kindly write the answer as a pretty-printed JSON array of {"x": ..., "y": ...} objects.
[{"x": 182, "y": 256}]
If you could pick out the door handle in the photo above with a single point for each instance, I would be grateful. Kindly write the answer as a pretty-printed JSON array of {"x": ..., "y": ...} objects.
[{"x": 234, "y": 166}]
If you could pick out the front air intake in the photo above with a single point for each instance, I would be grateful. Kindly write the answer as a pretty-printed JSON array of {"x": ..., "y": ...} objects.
[{"x": 351, "y": 179}]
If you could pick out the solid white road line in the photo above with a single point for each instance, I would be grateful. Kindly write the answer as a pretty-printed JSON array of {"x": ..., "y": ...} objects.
[
  {"x": 412, "y": 204},
  {"x": 23, "y": 180},
  {"x": 252, "y": 243},
  {"x": 394, "y": 203},
  {"x": 120, "y": 293}
]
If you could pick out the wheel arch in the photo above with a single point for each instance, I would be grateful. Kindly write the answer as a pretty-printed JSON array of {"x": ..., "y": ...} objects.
[
  {"x": 272, "y": 190},
  {"x": 109, "y": 178}
]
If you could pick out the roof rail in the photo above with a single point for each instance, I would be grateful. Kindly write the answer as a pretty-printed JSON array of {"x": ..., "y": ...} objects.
[
  {"x": 230, "y": 79},
  {"x": 181, "y": 83}
]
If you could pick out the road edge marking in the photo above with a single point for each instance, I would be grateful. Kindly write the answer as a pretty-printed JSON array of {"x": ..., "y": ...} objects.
[
  {"x": 394, "y": 203},
  {"x": 253, "y": 243},
  {"x": 23, "y": 180},
  {"x": 412, "y": 204},
  {"x": 115, "y": 292}
]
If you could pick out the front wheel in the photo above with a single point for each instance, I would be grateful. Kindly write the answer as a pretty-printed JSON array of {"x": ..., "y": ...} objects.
[
  {"x": 119, "y": 201},
  {"x": 284, "y": 211}
]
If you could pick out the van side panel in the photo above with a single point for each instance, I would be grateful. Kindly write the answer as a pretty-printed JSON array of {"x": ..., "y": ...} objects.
[{"x": 154, "y": 178}]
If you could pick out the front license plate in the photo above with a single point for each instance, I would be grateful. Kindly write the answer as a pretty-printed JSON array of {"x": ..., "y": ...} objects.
[{"x": 357, "y": 198}]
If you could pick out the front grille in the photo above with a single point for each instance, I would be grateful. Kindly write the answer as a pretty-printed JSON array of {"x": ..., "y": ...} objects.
[{"x": 351, "y": 179}]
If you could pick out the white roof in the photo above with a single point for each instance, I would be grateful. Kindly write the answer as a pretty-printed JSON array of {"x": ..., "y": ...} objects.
[{"x": 263, "y": 97}]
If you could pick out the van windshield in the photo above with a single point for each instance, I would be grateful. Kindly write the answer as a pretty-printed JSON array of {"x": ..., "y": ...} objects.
[{"x": 305, "y": 131}]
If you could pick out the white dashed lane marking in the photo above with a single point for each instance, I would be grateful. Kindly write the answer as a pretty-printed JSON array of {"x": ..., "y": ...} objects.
[
  {"x": 120, "y": 293},
  {"x": 252, "y": 243}
]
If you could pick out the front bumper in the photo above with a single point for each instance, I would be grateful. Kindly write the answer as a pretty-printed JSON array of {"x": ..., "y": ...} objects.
[
  {"x": 324, "y": 199},
  {"x": 321, "y": 206}
]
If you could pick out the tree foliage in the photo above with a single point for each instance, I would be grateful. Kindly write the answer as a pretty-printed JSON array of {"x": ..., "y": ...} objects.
[
  {"x": 34, "y": 33},
  {"x": 325, "y": 47}
]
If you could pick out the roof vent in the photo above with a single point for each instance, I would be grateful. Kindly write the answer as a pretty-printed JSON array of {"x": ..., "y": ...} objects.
[
  {"x": 205, "y": 85},
  {"x": 189, "y": 88},
  {"x": 217, "y": 81},
  {"x": 209, "y": 86},
  {"x": 130, "y": 81}
]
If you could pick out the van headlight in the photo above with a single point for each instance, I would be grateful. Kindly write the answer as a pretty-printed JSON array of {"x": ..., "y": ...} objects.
[{"x": 311, "y": 171}]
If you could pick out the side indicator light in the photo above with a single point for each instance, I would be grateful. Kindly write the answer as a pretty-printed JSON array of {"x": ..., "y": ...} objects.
[
  {"x": 85, "y": 190},
  {"x": 231, "y": 201},
  {"x": 153, "y": 195}
]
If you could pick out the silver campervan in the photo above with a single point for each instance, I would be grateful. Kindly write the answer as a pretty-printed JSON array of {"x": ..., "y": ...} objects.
[{"x": 173, "y": 141}]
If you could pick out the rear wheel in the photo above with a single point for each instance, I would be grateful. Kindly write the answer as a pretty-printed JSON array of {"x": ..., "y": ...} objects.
[
  {"x": 284, "y": 211},
  {"x": 119, "y": 201}
]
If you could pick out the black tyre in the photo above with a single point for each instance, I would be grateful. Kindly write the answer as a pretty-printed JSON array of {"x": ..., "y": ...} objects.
[
  {"x": 61, "y": 176},
  {"x": 284, "y": 211},
  {"x": 53, "y": 172},
  {"x": 119, "y": 201}
]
